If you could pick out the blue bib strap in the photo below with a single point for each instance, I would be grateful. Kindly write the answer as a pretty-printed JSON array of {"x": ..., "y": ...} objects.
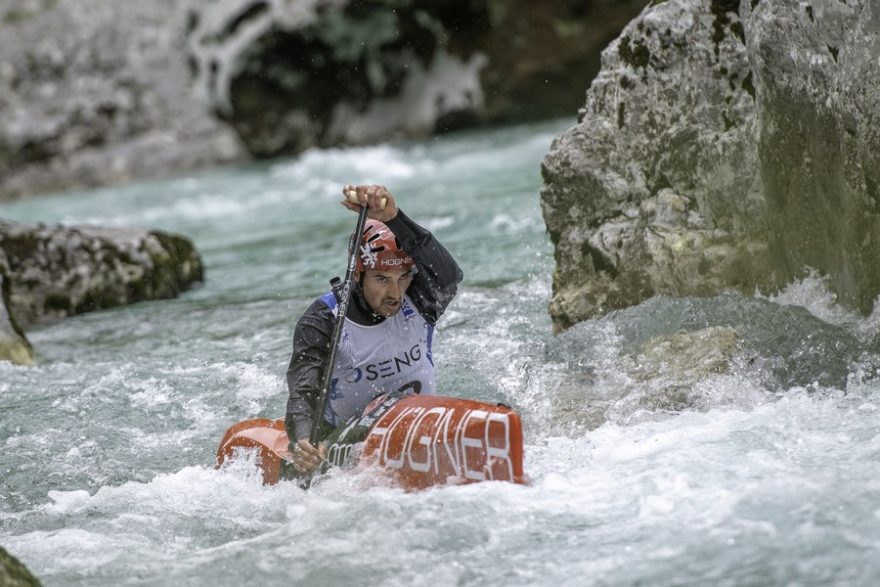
[{"x": 329, "y": 299}]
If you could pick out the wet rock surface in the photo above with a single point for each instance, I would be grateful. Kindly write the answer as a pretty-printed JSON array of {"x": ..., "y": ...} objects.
[
  {"x": 694, "y": 167},
  {"x": 57, "y": 271},
  {"x": 14, "y": 346},
  {"x": 13, "y": 573},
  {"x": 816, "y": 67}
]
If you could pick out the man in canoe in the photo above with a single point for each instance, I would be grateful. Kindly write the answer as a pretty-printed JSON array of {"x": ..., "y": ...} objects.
[{"x": 404, "y": 280}]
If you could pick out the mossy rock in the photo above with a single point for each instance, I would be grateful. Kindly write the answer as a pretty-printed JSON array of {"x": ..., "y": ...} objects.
[
  {"x": 13, "y": 573},
  {"x": 14, "y": 346}
]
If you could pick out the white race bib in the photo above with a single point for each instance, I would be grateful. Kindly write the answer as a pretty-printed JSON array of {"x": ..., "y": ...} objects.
[{"x": 372, "y": 360}]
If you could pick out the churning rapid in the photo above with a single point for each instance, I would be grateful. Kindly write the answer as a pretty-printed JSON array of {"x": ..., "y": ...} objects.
[{"x": 725, "y": 440}]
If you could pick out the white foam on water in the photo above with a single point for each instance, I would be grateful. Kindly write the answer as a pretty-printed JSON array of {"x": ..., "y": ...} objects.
[
  {"x": 73, "y": 550},
  {"x": 257, "y": 388},
  {"x": 145, "y": 443},
  {"x": 153, "y": 392},
  {"x": 65, "y": 502},
  {"x": 728, "y": 475},
  {"x": 814, "y": 293},
  {"x": 616, "y": 500},
  {"x": 149, "y": 521},
  {"x": 250, "y": 385},
  {"x": 41, "y": 439},
  {"x": 161, "y": 204},
  {"x": 381, "y": 164}
]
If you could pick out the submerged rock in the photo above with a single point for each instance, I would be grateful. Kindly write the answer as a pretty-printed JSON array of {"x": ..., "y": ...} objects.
[
  {"x": 667, "y": 373},
  {"x": 668, "y": 355},
  {"x": 62, "y": 270},
  {"x": 670, "y": 366},
  {"x": 13, "y": 573},
  {"x": 720, "y": 150}
]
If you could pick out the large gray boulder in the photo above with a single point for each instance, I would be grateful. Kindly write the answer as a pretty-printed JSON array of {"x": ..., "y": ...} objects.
[
  {"x": 292, "y": 75},
  {"x": 94, "y": 92},
  {"x": 57, "y": 271},
  {"x": 723, "y": 145}
]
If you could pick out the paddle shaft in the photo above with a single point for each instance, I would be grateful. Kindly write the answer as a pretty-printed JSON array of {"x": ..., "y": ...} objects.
[{"x": 341, "y": 309}]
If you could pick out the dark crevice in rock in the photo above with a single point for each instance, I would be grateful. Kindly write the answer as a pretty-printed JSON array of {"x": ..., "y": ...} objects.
[
  {"x": 610, "y": 216},
  {"x": 192, "y": 21},
  {"x": 731, "y": 81},
  {"x": 250, "y": 13},
  {"x": 462, "y": 19},
  {"x": 601, "y": 263},
  {"x": 285, "y": 68},
  {"x": 662, "y": 183},
  {"x": 58, "y": 304},
  {"x": 748, "y": 85},
  {"x": 722, "y": 9},
  {"x": 634, "y": 52},
  {"x": 728, "y": 123},
  {"x": 456, "y": 120},
  {"x": 873, "y": 192},
  {"x": 834, "y": 52},
  {"x": 737, "y": 29}
]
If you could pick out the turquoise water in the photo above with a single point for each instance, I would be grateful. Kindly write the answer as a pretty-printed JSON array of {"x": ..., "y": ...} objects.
[{"x": 681, "y": 442}]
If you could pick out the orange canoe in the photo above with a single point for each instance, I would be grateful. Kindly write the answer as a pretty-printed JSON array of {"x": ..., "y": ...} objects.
[{"x": 420, "y": 441}]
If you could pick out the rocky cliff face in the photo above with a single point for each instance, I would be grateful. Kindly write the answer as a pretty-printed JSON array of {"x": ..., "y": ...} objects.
[
  {"x": 723, "y": 145},
  {"x": 94, "y": 92},
  {"x": 817, "y": 72},
  {"x": 292, "y": 75}
]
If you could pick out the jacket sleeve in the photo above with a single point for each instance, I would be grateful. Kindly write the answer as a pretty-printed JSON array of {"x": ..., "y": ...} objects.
[
  {"x": 436, "y": 281},
  {"x": 311, "y": 341}
]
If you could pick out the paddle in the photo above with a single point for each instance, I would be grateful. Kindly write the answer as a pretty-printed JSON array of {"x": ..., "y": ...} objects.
[{"x": 342, "y": 307}]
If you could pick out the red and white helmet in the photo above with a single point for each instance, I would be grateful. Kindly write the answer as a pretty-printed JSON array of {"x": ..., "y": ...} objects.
[{"x": 380, "y": 250}]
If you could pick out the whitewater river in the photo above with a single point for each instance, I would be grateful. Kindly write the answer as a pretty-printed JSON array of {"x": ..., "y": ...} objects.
[{"x": 722, "y": 441}]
